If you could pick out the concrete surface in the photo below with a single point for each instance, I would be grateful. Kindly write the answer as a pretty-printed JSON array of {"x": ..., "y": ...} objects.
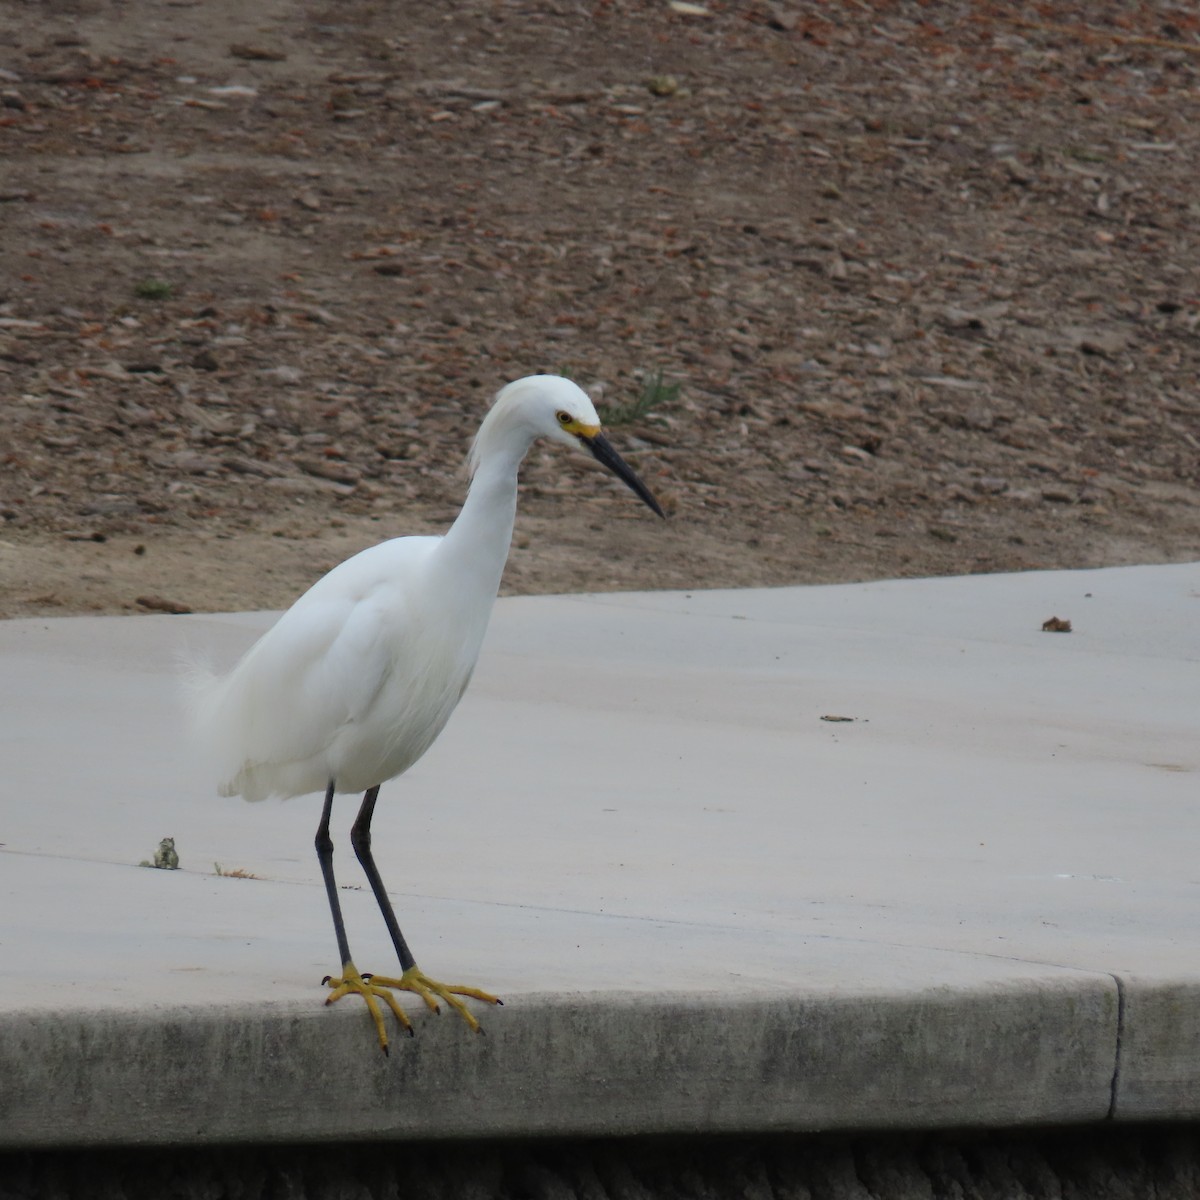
[{"x": 707, "y": 908}]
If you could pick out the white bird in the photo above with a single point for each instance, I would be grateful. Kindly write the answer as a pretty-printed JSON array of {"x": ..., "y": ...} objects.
[{"x": 355, "y": 681}]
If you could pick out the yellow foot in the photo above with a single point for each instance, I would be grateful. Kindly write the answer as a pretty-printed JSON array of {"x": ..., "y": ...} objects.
[
  {"x": 373, "y": 988},
  {"x": 351, "y": 982},
  {"x": 415, "y": 980}
]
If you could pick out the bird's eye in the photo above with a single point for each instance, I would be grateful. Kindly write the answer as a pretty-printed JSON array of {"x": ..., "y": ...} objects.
[{"x": 564, "y": 418}]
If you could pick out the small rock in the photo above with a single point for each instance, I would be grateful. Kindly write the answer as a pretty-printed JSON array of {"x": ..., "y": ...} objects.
[
  {"x": 302, "y": 485},
  {"x": 982, "y": 419},
  {"x": 193, "y": 464},
  {"x": 782, "y": 18},
  {"x": 991, "y": 486},
  {"x": 109, "y": 506},
  {"x": 284, "y": 374},
  {"x": 959, "y": 318},
  {"x": 112, "y": 371},
  {"x": 1017, "y": 171},
  {"x": 159, "y": 604},
  {"x": 256, "y": 53},
  {"x": 314, "y": 312},
  {"x": 331, "y": 469},
  {"x": 1105, "y": 343},
  {"x": 253, "y": 466},
  {"x": 1058, "y": 495}
]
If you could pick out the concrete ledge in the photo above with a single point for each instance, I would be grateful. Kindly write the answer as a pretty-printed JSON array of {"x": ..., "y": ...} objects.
[
  {"x": 565, "y": 1066},
  {"x": 709, "y": 908}
]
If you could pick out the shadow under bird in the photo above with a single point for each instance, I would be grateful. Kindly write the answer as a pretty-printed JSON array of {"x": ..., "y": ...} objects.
[{"x": 357, "y": 679}]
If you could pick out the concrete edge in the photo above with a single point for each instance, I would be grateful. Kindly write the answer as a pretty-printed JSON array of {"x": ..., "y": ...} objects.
[
  {"x": 1028, "y": 1053},
  {"x": 1158, "y": 1065}
]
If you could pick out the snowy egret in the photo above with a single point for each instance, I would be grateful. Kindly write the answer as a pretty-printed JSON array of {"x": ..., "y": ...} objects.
[{"x": 355, "y": 681}]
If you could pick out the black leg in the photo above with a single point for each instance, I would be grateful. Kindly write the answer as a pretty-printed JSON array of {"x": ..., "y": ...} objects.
[
  {"x": 325, "y": 858},
  {"x": 360, "y": 839}
]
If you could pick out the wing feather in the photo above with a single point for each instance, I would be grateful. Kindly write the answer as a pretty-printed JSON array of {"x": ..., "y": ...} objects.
[{"x": 286, "y": 718}]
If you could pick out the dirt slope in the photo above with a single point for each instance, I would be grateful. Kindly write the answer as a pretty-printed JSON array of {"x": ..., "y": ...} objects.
[{"x": 925, "y": 276}]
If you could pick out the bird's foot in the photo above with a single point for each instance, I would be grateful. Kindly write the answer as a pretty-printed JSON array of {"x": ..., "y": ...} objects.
[
  {"x": 372, "y": 991},
  {"x": 415, "y": 980}
]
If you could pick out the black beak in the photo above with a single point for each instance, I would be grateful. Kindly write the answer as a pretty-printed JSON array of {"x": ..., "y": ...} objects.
[{"x": 603, "y": 452}]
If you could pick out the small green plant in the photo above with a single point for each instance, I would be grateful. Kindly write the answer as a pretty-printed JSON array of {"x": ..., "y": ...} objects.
[
  {"x": 655, "y": 392},
  {"x": 152, "y": 289}
]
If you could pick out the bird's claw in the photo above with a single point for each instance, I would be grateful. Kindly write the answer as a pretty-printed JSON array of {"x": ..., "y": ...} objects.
[
  {"x": 430, "y": 990},
  {"x": 352, "y": 982},
  {"x": 373, "y": 988}
]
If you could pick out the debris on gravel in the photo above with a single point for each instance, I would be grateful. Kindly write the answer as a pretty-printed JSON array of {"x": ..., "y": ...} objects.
[{"x": 925, "y": 279}]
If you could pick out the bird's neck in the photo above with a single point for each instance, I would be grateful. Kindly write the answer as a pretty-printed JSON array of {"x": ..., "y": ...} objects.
[{"x": 473, "y": 552}]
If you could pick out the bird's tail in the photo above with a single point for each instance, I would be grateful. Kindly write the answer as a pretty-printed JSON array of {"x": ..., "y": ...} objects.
[
  {"x": 215, "y": 730},
  {"x": 199, "y": 683},
  {"x": 201, "y": 688}
]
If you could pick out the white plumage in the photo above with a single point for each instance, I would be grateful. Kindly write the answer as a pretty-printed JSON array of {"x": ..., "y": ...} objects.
[{"x": 355, "y": 681}]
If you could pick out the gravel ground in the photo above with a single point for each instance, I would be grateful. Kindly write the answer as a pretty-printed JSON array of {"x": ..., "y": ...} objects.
[{"x": 925, "y": 277}]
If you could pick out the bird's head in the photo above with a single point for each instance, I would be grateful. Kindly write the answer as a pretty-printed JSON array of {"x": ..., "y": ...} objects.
[{"x": 552, "y": 407}]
